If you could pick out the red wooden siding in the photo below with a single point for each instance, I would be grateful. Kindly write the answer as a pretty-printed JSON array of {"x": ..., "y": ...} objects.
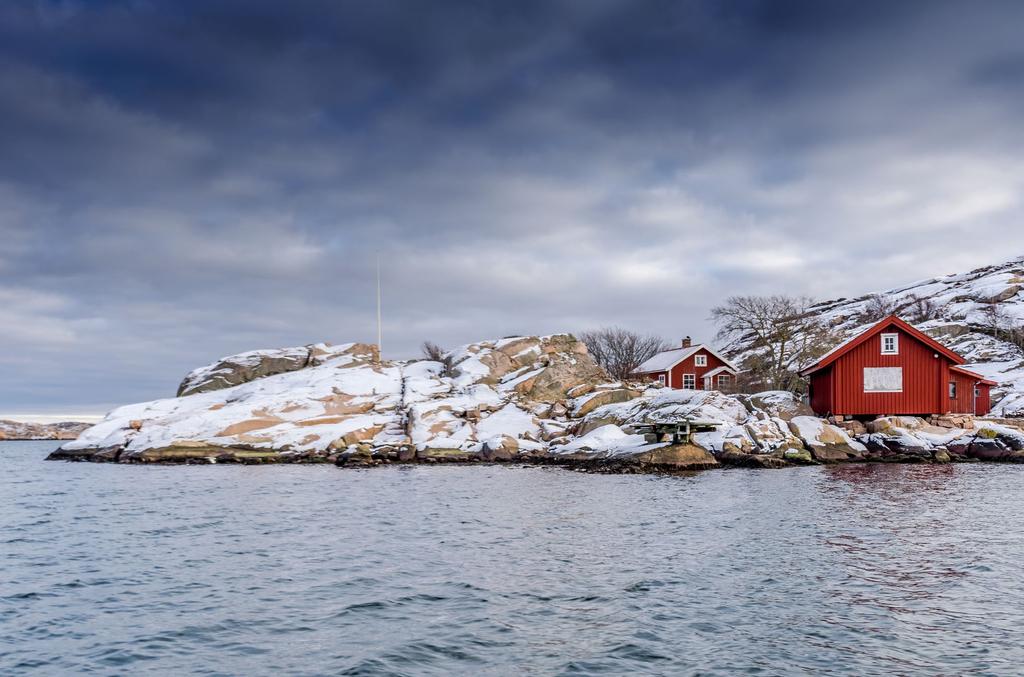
[
  {"x": 821, "y": 391},
  {"x": 984, "y": 402},
  {"x": 966, "y": 402},
  {"x": 688, "y": 366},
  {"x": 837, "y": 381},
  {"x": 922, "y": 375}
]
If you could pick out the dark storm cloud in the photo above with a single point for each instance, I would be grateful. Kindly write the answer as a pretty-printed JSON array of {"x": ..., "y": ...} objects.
[{"x": 181, "y": 180}]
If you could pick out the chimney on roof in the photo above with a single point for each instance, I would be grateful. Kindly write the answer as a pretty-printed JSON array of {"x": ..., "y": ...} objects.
[{"x": 687, "y": 342}]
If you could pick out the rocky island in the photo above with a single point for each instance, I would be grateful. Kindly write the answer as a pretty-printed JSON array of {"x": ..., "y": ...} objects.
[
  {"x": 63, "y": 430},
  {"x": 535, "y": 399}
]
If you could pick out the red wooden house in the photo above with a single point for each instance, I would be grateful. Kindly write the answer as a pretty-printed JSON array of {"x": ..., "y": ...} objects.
[
  {"x": 689, "y": 367},
  {"x": 893, "y": 368}
]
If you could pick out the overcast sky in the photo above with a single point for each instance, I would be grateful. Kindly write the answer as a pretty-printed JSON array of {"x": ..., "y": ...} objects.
[{"x": 184, "y": 180}]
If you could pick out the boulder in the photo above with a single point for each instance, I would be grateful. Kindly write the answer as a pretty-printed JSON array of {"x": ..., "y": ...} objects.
[
  {"x": 678, "y": 457},
  {"x": 772, "y": 435},
  {"x": 522, "y": 351},
  {"x": 86, "y": 454},
  {"x": 594, "y": 422},
  {"x": 502, "y": 448},
  {"x": 732, "y": 456},
  {"x": 830, "y": 454},
  {"x": 406, "y": 453},
  {"x": 884, "y": 424},
  {"x": 798, "y": 456},
  {"x": 826, "y": 442},
  {"x": 192, "y": 449},
  {"x": 853, "y": 428},
  {"x": 953, "y": 421},
  {"x": 244, "y": 367},
  {"x": 779, "y": 404},
  {"x": 557, "y": 410},
  {"x": 1008, "y": 293},
  {"x": 897, "y": 448},
  {"x": 580, "y": 390},
  {"x": 561, "y": 374},
  {"x": 600, "y": 398},
  {"x": 989, "y": 450},
  {"x": 443, "y": 454}
]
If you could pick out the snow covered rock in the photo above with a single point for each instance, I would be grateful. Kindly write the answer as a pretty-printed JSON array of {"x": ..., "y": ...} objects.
[
  {"x": 244, "y": 367},
  {"x": 825, "y": 442},
  {"x": 587, "y": 403},
  {"x": 325, "y": 401},
  {"x": 540, "y": 399}
]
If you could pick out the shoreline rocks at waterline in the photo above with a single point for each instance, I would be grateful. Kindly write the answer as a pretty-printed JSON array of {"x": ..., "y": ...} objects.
[{"x": 526, "y": 399}]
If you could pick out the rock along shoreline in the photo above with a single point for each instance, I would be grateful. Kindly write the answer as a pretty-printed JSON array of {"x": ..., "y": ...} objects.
[
  {"x": 666, "y": 459},
  {"x": 538, "y": 400}
]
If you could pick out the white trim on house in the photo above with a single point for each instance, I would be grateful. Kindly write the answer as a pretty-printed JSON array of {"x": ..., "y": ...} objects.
[
  {"x": 693, "y": 381},
  {"x": 700, "y": 360},
  {"x": 718, "y": 370},
  {"x": 895, "y": 349}
]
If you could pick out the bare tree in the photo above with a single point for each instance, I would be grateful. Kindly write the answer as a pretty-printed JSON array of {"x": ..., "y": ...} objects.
[
  {"x": 996, "y": 320},
  {"x": 435, "y": 353},
  {"x": 781, "y": 334},
  {"x": 920, "y": 309},
  {"x": 877, "y": 308},
  {"x": 621, "y": 351}
]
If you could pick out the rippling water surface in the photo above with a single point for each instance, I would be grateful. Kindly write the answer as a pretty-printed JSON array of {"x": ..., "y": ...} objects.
[{"x": 866, "y": 569}]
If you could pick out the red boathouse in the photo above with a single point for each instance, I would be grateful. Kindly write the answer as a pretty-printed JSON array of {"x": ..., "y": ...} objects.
[
  {"x": 689, "y": 367},
  {"x": 893, "y": 368}
]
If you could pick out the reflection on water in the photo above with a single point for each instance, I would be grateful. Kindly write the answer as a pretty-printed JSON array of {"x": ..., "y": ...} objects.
[{"x": 870, "y": 569}]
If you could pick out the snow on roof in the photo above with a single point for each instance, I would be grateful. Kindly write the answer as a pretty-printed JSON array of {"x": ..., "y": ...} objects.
[
  {"x": 972, "y": 374},
  {"x": 719, "y": 370},
  {"x": 664, "y": 361}
]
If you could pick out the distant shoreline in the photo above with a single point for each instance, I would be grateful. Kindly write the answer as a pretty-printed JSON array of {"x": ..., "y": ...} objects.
[{"x": 22, "y": 431}]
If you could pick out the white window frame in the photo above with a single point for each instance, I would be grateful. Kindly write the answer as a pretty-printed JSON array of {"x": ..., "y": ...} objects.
[
  {"x": 692, "y": 379},
  {"x": 661, "y": 379},
  {"x": 952, "y": 390},
  {"x": 895, "y": 350},
  {"x": 700, "y": 360},
  {"x": 724, "y": 380}
]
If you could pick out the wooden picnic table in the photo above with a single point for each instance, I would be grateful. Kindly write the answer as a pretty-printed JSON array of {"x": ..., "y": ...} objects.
[{"x": 679, "y": 430}]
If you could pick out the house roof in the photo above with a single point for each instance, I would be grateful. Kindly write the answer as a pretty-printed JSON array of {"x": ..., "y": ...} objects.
[
  {"x": 719, "y": 370},
  {"x": 664, "y": 361},
  {"x": 889, "y": 322},
  {"x": 966, "y": 372}
]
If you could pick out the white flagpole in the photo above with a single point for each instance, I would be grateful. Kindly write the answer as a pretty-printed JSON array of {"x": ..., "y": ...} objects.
[{"x": 380, "y": 333}]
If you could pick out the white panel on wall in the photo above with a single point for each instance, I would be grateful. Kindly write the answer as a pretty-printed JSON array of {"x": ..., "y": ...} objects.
[{"x": 883, "y": 379}]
